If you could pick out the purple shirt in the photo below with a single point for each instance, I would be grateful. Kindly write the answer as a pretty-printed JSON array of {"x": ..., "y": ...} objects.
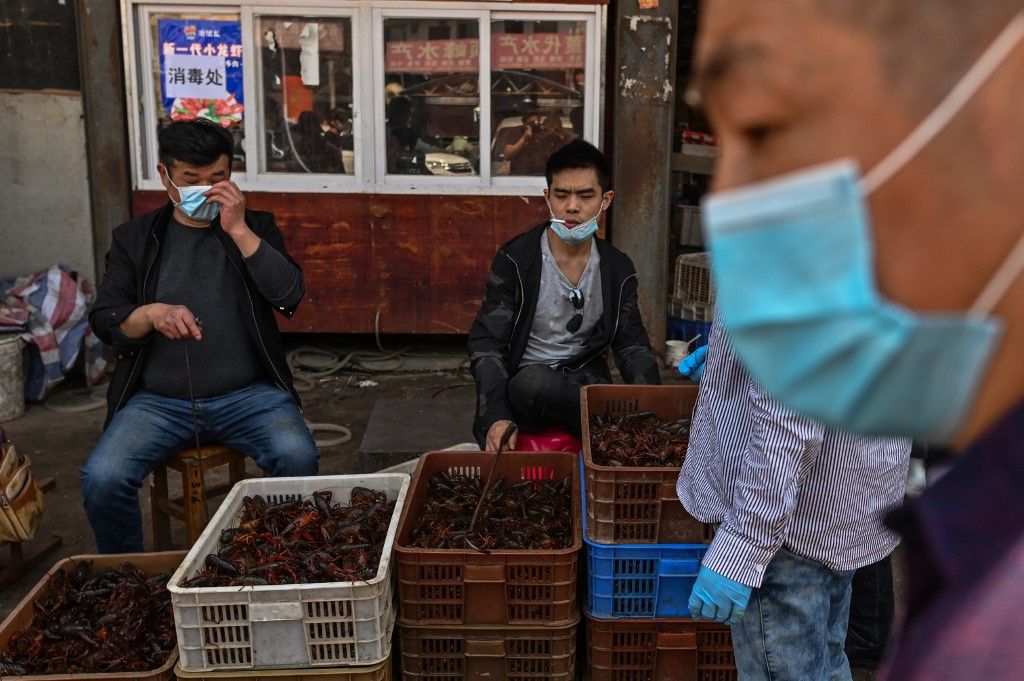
[{"x": 964, "y": 541}]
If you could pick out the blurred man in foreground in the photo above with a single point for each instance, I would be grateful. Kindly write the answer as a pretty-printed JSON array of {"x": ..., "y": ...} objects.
[{"x": 839, "y": 235}]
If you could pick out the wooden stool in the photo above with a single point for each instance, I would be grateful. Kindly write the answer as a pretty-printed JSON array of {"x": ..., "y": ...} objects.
[{"x": 192, "y": 506}]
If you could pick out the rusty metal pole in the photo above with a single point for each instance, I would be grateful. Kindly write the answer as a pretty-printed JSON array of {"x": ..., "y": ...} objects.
[
  {"x": 106, "y": 129},
  {"x": 644, "y": 93}
]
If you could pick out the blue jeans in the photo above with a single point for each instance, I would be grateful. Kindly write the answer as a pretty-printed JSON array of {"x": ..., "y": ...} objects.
[
  {"x": 260, "y": 420},
  {"x": 795, "y": 625}
]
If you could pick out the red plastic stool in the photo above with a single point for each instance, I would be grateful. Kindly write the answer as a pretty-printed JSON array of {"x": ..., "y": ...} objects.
[{"x": 552, "y": 439}]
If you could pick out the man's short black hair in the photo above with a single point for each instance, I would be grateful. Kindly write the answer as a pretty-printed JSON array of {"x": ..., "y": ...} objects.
[
  {"x": 198, "y": 142},
  {"x": 580, "y": 154}
]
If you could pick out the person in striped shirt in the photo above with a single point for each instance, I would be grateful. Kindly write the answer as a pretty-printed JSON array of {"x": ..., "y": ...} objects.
[{"x": 799, "y": 508}]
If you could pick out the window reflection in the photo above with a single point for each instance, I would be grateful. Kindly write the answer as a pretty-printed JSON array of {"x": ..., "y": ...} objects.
[
  {"x": 537, "y": 81},
  {"x": 306, "y": 81},
  {"x": 432, "y": 96}
]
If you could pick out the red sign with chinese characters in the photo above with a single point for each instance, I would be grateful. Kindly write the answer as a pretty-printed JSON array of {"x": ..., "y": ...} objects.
[
  {"x": 537, "y": 51},
  {"x": 508, "y": 51}
]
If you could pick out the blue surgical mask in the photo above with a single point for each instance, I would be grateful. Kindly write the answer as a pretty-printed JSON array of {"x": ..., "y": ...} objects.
[
  {"x": 793, "y": 261},
  {"x": 580, "y": 232},
  {"x": 194, "y": 204}
]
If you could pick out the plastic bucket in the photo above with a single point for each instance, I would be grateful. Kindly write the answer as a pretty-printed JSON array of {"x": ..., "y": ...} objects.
[{"x": 12, "y": 378}]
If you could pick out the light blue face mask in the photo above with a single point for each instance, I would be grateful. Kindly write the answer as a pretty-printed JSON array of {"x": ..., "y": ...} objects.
[
  {"x": 580, "y": 232},
  {"x": 792, "y": 258},
  {"x": 194, "y": 204}
]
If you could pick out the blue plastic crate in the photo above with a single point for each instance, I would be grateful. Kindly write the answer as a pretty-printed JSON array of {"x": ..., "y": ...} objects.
[
  {"x": 685, "y": 329},
  {"x": 640, "y": 580}
]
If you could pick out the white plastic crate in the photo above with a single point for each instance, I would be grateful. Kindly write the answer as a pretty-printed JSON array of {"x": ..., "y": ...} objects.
[
  {"x": 684, "y": 309},
  {"x": 294, "y": 625},
  {"x": 694, "y": 283}
]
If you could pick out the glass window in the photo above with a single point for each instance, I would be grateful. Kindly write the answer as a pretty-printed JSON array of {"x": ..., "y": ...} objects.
[
  {"x": 432, "y": 95},
  {"x": 305, "y": 83},
  {"x": 538, "y": 75},
  {"x": 306, "y": 69},
  {"x": 197, "y": 71}
]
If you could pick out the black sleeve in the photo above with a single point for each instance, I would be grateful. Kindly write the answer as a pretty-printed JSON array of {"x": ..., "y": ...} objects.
[
  {"x": 285, "y": 285},
  {"x": 278, "y": 280},
  {"x": 631, "y": 344},
  {"x": 117, "y": 296},
  {"x": 489, "y": 340}
]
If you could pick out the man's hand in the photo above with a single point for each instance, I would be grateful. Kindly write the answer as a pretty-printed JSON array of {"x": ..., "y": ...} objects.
[
  {"x": 718, "y": 598},
  {"x": 692, "y": 366},
  {"x": 494, "y": 434},
  {"x": 232, "y": 215},
  {"x": 173, "y": 321}
]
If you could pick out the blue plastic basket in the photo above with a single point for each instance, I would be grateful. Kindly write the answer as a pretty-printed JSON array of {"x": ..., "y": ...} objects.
[
  {"x": 643, "y": 580},
  {"x": 685, "y": 329},
  {"x": 640, "y": 580}
]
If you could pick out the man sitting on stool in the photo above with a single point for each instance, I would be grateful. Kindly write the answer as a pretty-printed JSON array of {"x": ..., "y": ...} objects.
[
  {"x": 202, "y": 256},
  {"x": 557, "y": 298}
]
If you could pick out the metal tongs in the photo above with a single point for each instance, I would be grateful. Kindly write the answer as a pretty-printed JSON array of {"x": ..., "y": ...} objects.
[{"x": 510, "y": 430}]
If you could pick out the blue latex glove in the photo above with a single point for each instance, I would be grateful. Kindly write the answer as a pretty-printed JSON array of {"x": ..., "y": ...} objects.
[
  {"x": 718, "y": 598},
  {"x": 692, "y": 366}
]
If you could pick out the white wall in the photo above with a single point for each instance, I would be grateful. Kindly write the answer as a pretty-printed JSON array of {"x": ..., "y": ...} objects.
[{"x": 44, "y": 184}]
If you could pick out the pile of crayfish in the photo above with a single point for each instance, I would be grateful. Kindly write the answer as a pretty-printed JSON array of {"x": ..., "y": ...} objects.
[
  {"x": 300, "y": 542},
  {"x": 514, "y": 515},
  {"x": 95, "y": 622},
  {"x": 640, "y": 439}
]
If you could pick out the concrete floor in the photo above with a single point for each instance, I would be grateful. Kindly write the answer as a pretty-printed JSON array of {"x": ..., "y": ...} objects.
[{"x": 59, "y": 444}]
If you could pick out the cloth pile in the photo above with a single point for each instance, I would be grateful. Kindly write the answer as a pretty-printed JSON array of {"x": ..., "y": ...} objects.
[{"x": 49, "y": 311}]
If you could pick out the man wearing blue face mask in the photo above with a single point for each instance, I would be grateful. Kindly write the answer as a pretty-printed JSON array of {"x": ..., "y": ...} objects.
[
  {"x": 557, "y": 298},
  {"x": 867, "y": 241},
  {"x": 188, "y": 302}
]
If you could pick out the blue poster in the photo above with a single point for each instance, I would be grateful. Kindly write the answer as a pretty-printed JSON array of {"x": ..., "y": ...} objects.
[{"x": 201, "y": 70}]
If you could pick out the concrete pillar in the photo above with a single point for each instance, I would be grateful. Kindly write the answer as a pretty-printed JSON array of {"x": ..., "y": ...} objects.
[
  {"x": 100, "y": 57},
  {"x": 643, "y": 96}
]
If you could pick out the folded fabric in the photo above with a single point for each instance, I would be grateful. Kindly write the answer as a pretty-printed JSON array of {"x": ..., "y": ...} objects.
[{"x": 50, "y": 308}]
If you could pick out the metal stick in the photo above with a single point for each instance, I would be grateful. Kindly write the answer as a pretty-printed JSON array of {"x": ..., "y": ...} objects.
[
  {"x": 195, "y": 427},
  {"x": 506, "y": 436}
]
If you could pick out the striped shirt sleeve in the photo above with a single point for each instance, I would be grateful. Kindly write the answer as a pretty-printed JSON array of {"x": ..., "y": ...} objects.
[{"x": 779, "y": 450}]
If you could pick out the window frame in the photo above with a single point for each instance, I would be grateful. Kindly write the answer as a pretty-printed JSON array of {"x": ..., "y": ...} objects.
[
  {"x": 382, "y": 177},
  {"x": 299, "y": 182},
  {"x": 591, "y": 60},
  {"x": 367, "y": 21}
]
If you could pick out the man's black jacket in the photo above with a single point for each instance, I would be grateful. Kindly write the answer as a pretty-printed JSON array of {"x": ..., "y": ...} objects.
[
  {"x": 132, "y": 270},
  {"x": 500, "y": 333}
]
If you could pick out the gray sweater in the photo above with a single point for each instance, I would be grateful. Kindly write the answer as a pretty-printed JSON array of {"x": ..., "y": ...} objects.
[{"x": 195, "y": 272}]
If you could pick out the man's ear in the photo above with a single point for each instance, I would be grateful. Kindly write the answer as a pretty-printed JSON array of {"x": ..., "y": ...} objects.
[{"x": 608, "y": 196}]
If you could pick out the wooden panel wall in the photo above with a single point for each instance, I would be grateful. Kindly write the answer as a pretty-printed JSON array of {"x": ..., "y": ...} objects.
[{"x": 421, "y": 260}]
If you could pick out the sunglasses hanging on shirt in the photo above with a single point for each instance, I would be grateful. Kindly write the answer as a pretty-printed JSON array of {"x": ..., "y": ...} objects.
[{"x": 576, "y": 321}]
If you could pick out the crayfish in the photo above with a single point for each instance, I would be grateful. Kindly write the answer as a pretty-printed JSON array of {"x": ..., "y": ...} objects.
[
  {"x": 296, "y": 541},
  {"x": 638, "y": 440},
  {"x": 87, "y": 622},
  {"x": 522, "y": 514}
]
